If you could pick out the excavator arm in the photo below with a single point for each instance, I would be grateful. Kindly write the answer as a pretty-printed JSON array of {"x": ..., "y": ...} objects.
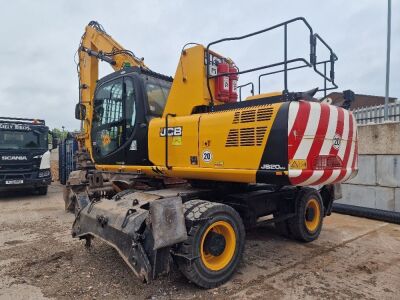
[{"x": 96, "y": 45}]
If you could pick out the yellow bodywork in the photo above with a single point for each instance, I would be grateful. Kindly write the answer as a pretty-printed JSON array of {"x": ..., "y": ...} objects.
[
  {"x": 189, "y": 88},
  {"x": 263, "y": 95},
  {"x": 224, "y": 145},
  {"x": 210, "y": 132},
  {"x": 235, "y": 139}
]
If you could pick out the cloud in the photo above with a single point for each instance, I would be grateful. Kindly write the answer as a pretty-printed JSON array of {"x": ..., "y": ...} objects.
[{"x": 39, "y": 38}]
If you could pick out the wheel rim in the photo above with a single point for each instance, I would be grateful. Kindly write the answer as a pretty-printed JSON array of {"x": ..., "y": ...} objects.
[
  {"x": 218, "y": 262},
  {"x": 312, "y": 215}
]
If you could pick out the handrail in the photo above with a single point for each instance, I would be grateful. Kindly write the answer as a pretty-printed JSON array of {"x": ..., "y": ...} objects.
[
  {"x": 306, "y": 64},
  {"x": 333, "y": 58},
  {"x": 243, "y": 85},
  {"x": 313, "y": 38}
]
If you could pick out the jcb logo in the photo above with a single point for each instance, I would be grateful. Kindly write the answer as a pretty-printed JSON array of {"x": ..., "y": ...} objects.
[{"x": 172, "y": 131}]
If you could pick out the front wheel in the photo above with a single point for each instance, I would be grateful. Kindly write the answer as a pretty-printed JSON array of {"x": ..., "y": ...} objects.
[{"x": 215, "y": 243}]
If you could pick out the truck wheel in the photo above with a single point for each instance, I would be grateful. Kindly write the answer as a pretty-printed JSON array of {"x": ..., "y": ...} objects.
[
  {"x": 215, "y": 243},
  {"x": 42, "y": 190},
  {"x": 307, "y": 224}
]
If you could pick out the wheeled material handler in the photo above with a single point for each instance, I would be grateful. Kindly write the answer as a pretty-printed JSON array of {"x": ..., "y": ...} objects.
[{"x": 184, "y": 165}]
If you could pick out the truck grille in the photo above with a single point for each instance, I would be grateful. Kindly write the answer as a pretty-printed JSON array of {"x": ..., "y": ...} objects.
[{"x": 15, "y": 168}]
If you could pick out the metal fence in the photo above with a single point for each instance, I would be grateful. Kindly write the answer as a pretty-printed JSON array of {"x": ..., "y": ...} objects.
[
  {"x": 376, "y": 114},
  {"x": 67, "y": 164}
]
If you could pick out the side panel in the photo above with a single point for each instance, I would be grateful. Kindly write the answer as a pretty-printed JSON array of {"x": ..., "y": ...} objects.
[
  {"x": 318, "y": 130},
  {"x": 182, "y": 141},
  {"x": 230, "y": 145},
  {"x": 273, "y": 166},
  {"x": 235, "y": 139},
  {"x": 189, "y": 87}
]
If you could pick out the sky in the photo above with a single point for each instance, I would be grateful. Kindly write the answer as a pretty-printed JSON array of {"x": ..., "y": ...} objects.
[{"x": 38, "y": 40}]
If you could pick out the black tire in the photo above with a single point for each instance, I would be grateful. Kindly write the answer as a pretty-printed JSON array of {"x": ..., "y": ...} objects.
[
  {"x": 42, "y": 190},
  {"x": 205, "y": 215},
  {"x": 299, "y": 227}
]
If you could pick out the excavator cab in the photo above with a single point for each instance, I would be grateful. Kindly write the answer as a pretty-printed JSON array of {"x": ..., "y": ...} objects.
[{"x": 124, "y": 103}]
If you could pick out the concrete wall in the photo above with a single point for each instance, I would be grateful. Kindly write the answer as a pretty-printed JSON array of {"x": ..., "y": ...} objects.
[
  {"x": 377, "y": 184},
  {"x": 379, "y": 138}
]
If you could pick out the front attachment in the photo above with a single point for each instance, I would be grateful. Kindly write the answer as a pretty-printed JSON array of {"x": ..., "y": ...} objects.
[{"x": 140, "y": 226}]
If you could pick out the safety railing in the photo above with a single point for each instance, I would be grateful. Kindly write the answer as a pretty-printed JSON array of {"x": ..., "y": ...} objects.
[
  {"x": 244, "y": 85},
  {"x": 376, "y": 114},
  {"x": 288, "y": 64}
]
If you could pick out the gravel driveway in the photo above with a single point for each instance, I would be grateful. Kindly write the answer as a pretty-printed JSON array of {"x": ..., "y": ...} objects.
[{"x": 353, "y": 258}]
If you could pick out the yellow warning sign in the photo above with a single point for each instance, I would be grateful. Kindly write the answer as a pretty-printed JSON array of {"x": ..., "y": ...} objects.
[
  {"x": 298, "y": 164},
  {"x": 177, "y": 141},
  {"x": 106, "y": 139}
]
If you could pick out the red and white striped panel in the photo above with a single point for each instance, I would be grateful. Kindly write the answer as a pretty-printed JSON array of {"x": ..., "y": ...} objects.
[{"x": 319, "y": 129}]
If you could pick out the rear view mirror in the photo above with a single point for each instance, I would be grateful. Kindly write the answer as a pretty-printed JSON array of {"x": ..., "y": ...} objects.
[{"x": 80, "y": 111}]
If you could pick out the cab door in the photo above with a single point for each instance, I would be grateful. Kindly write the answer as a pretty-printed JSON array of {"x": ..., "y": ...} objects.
[{"x": 119, "y": 130}]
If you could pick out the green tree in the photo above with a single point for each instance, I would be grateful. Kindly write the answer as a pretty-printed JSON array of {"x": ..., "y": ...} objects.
[
  {"x": 59, "y": 134},
  {"x": 56, "y": 136}
]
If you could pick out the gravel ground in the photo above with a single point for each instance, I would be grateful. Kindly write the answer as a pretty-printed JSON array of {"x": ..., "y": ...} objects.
[{"x": 353, "y": 258}]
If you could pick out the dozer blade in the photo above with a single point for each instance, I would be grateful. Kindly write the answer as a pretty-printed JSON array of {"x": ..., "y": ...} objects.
[{"x": 140, "y": 226}]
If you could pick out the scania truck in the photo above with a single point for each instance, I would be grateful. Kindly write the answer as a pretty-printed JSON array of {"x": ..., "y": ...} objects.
[{"x": 24, "y": 155}]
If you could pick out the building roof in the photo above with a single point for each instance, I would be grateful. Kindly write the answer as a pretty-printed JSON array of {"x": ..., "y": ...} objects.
[{"x": 360, "y": 100}]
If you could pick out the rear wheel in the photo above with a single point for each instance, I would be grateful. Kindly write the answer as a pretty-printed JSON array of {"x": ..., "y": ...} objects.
[
  {"x": 215, "y": 243},
  {"x": 307, "y": 224}
]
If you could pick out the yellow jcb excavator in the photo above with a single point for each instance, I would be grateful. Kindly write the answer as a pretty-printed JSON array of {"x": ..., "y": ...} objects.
[{"x": 183, "y": 165}]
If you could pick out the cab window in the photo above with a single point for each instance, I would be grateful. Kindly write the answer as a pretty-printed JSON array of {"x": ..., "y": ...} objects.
[
  {"x": 157, "y": 93},
  {"x": 130, "y": 113},
  {"x": 114, "y": 115}
]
